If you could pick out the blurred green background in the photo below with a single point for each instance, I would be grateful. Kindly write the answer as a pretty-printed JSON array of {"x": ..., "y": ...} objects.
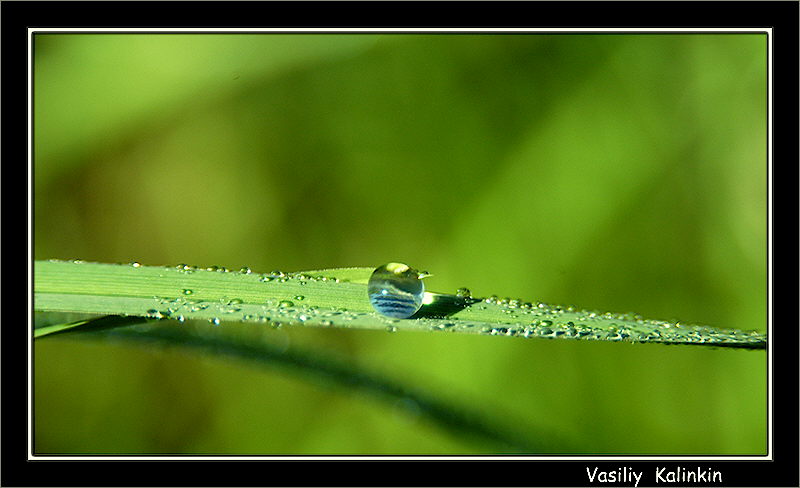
[{"x": 617, "y": 172}]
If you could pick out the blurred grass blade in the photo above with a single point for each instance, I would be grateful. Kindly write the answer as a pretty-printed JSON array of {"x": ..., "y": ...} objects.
[
  {"x": 53, "y": 329},
  {"x": 330, "y": 298},
  {"x": 322, "y": 367},
  {"x": 88, "y": 325}
]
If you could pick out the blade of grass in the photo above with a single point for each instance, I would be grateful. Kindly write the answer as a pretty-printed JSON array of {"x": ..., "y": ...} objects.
[
  {"x": 87, "y": 325},
  {"x": 242, "y": 344},
  {"x": 335, "y": 298},
  {"x": 56, "y": 328}
]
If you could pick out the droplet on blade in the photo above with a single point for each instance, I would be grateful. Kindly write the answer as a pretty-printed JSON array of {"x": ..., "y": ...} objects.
[
  {"x": 464, "y": 293},
  {"x": 396, "y": 290}
]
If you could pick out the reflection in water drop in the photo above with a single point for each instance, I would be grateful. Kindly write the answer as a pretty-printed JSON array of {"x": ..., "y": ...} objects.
[
  {"x": 396, "y": 290},
  {"x": 464, "y": 293}
]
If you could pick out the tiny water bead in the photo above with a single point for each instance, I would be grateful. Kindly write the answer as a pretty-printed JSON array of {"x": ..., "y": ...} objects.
[
  {"x": 464, "y": 293},
  {"x": 396, "y": 290}
]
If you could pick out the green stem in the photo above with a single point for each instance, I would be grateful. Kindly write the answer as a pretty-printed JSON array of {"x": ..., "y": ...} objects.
[{"x": 336, "y": 298}]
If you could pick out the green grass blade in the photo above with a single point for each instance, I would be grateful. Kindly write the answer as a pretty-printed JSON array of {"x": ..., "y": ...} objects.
[
  {"x": 317, "y": 366},
  {"x": 56, "y": 328},
  {"x": 88, "y": 325},
  {"x": 335, "y": 298}
]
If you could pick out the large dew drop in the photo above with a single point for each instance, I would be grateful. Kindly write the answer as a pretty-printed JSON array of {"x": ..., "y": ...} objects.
[{"x": 396, "y": 290}]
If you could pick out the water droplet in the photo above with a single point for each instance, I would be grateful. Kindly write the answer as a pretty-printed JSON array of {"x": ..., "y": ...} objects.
[
  {"x": 245, "y": 270},
  {"x": 214, "y": 321},
  {"x": 464, "y": 293},
  {"x": 135, "y": 264},
  {"x": 285, "y": 304},
  {"x": 395, "y": 290},
  {"x": 187, "y": 292},
  {"x": 299, "y": 297}
]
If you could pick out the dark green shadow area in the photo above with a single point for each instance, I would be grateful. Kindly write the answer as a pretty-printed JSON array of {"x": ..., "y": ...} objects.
[
  {"x": 444, "y": 306},
  {"x": 755, "y": 346}
]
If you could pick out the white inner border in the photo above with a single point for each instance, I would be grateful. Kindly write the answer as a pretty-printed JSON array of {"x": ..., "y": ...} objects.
[{"x": 178, "y": 30}]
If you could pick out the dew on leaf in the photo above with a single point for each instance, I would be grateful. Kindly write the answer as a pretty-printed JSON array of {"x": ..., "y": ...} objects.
[
  {"x": 396, "y": 290},
  {"x": 464, "y": 293}
]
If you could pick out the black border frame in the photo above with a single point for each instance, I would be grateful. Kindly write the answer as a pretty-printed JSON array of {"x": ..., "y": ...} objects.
[{"x": 781, "y": 16}]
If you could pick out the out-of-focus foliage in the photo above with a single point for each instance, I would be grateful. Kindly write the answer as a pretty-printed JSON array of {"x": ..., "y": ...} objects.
[{"x": 620, "y": 172}]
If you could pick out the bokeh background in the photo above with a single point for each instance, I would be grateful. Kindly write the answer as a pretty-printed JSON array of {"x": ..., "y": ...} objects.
[{"x": 615, "y": 172}]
